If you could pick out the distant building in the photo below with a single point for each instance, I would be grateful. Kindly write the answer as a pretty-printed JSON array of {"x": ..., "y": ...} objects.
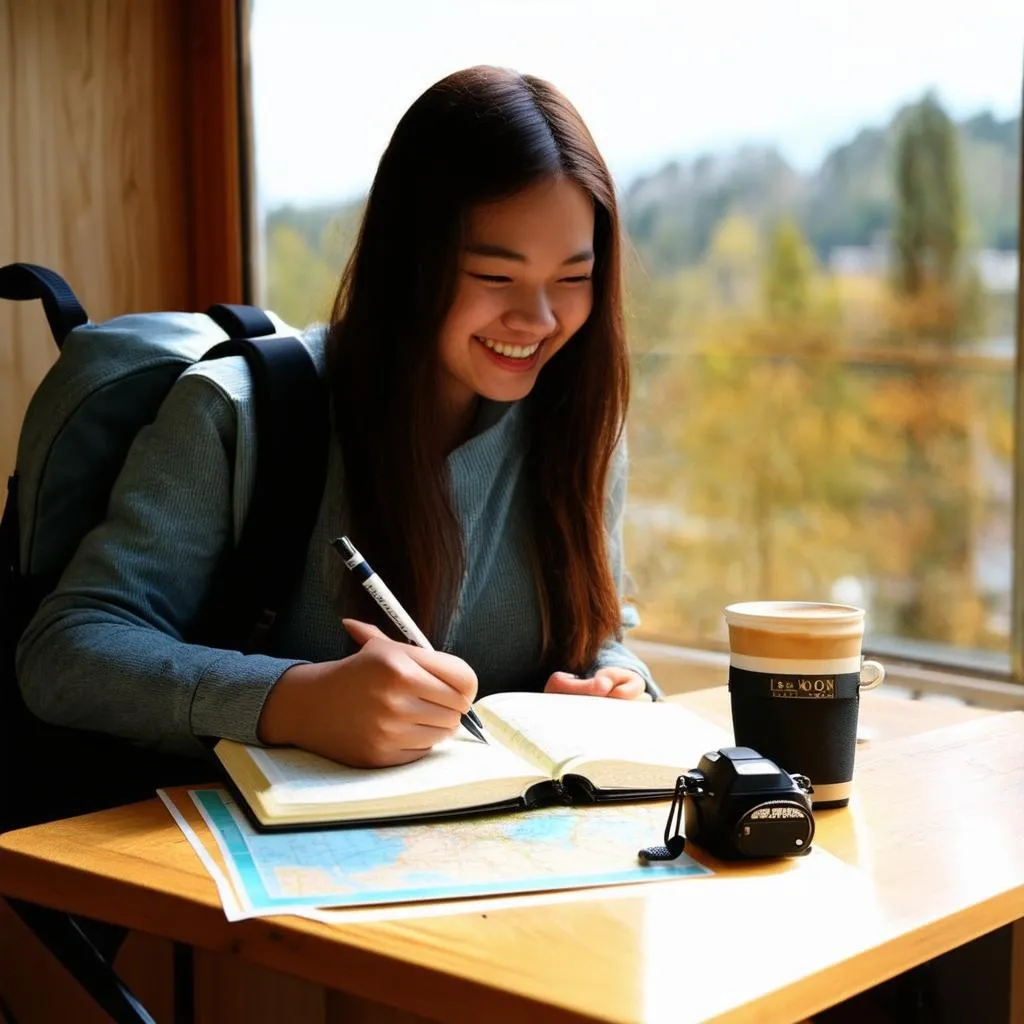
[
  {"x": 859, "y": 260},
  {"x": 999, "y": 269}
]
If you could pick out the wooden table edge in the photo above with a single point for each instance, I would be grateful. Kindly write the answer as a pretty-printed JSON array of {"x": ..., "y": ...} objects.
[
  {"x": 295, "y": 945},
  {"x": 286, "y": 943}
]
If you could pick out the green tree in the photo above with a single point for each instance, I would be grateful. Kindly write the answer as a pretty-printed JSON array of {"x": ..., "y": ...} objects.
[
  {"x": 934, "y": 407},
  {"x": 928, "y": 229}
]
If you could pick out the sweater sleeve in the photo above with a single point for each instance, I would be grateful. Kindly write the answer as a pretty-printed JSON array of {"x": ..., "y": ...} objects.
[
  {"x": 613, "y": 653},
  {"x": 106, "y": 649}
]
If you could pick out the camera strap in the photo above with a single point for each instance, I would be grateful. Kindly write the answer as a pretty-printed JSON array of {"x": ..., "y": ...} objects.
[{"x": 675, "y": 842}]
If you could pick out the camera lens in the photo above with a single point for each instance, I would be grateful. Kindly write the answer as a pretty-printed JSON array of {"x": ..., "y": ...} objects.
[{"x": 776, "y": 828}]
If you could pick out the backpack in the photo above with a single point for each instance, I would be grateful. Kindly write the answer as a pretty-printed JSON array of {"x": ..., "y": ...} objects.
[{"x": 107, "y": 383}]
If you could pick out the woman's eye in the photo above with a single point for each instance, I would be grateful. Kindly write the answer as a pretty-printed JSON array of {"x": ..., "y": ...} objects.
[
  {"x": 579, "y": 279},
  {"x": 491, "y": 278}
]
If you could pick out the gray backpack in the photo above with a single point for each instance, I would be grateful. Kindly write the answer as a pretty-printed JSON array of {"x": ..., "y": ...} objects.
[{"x": 108, "y": 382}]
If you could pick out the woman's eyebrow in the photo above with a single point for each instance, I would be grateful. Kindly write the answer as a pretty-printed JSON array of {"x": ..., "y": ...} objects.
[{"x": 500, "y": 252}]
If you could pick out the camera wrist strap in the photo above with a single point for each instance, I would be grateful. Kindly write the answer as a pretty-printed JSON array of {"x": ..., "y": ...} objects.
[{"x": 675, "y": 842}]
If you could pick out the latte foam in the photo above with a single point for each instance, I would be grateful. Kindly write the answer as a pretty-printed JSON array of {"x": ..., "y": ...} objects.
[{"x": 798, "y": 630}]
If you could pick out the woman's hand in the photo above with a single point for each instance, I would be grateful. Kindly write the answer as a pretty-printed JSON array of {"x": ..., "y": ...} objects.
[
  {"x": 387, "y": 704},
  {"x": 622, "y": 683}
]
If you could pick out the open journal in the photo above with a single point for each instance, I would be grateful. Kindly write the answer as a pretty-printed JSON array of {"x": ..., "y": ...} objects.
[{"x": 543, "y": 748}]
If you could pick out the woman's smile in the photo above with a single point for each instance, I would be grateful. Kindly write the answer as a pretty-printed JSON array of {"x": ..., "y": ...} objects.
[{"x": 511, "y": 355}]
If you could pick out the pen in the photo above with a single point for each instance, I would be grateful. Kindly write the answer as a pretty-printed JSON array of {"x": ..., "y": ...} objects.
[{"x": 379, "y": 591}]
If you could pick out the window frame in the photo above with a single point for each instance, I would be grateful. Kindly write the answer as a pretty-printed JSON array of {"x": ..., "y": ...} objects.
[{"x": 1017, "y": 605}]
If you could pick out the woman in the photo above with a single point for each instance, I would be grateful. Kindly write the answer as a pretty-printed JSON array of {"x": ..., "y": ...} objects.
[{"x": 479, "y": 381}]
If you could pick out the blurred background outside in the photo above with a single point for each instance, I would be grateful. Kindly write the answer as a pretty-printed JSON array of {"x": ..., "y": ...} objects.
[{"x": 822, "y": 204}]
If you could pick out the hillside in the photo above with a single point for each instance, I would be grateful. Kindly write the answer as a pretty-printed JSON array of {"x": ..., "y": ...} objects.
[
  {"x": 671, "y": 213},
  {"x": 847, "y": 201}
]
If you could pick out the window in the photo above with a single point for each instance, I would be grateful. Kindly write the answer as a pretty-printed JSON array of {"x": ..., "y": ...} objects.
[{"x": 823, "y": 206}]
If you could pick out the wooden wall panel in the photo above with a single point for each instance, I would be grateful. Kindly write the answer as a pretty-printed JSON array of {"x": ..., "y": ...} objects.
[
  {"x": 94, "y": 180},
  {"x": 102, "y": 165},
  {"x": 218, "y": 171},
  {"x": 98, "y": 133},
  {"x": 109, "y": 133}
]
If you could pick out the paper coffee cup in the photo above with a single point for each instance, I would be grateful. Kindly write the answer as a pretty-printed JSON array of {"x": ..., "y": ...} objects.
[{"x": 795, "y": 676}]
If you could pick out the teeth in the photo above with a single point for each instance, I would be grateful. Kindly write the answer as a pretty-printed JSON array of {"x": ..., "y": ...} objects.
[{"x": 511, "y": 351}]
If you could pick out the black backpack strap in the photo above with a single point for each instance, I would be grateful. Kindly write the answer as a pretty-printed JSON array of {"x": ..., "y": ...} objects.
[
  {"x": 241, "y": 321},
  {"x": 10, "y": 533},
  {"x": 292, "y": 432},
  {"x": 22, "y": 281}
]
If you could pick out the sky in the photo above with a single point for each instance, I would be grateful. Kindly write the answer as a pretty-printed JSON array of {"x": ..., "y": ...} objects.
[{"x": 653, "y": 79}]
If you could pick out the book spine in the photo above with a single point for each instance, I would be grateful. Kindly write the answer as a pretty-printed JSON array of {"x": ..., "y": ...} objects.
[
  {"x": 560, "y": 794},
  {"x": 578, "y": 789},
  {"x": 547, "y": 794}
]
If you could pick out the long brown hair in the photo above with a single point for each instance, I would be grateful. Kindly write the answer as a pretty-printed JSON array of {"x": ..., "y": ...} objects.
[{"x": 477, "y": 136}]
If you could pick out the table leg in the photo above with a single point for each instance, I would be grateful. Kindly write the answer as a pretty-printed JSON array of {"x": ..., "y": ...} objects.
[
  {"x": 183, "y": 966},
  {"x": 1017, "y": 973},
  {"x": 342, "y": 1008}
]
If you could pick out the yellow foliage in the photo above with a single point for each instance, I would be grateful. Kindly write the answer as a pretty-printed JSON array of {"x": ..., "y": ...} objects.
[{"x": 805, "y": 445}]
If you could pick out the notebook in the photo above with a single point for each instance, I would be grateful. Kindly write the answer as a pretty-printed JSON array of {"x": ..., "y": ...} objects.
[{"x": 542, "y": 749}]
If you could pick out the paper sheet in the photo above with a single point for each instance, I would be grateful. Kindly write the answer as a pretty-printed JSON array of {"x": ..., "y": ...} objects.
[{"x": 542, "y": 851}]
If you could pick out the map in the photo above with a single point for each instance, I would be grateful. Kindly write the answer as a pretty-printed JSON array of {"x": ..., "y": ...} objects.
[{"x": 548, "y": 849}]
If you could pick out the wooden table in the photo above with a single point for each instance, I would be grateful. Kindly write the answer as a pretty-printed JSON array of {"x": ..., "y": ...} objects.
[{"x": 934, "y": 833}]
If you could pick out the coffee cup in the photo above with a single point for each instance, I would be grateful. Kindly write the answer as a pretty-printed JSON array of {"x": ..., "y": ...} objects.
[{"x": 796, "y": 673}]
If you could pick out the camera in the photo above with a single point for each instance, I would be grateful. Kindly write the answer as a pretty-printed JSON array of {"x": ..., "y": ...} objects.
[{"x": 738, "y": 805}]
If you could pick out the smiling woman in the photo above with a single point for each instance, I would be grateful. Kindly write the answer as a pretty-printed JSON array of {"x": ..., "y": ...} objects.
[
  {"x": 506, "y": 285},
  {"x": 478, "y": 381}
]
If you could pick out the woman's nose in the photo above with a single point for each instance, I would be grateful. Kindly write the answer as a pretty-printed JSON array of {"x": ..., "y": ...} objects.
[{"x": 531, "y": 311}]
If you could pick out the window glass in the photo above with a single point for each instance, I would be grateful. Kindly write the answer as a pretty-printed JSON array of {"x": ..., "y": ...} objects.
[{"x": 822, "y": 205}]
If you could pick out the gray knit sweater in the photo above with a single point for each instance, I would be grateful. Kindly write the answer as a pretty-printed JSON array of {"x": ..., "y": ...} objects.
[{"x": 105, "y": 650}]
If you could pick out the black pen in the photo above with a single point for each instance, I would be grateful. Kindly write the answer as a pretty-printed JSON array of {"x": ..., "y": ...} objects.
[{"x": 379, "y": 591}]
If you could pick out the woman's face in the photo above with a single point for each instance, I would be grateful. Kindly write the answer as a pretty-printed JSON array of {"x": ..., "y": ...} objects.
[{"x": 523, "y": 290}]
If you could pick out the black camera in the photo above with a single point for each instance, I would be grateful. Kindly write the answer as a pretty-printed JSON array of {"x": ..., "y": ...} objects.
[{"x": 738, "y": 805}]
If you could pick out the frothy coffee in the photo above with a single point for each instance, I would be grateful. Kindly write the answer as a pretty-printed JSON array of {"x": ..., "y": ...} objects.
[{"x": 795, "y": 630}]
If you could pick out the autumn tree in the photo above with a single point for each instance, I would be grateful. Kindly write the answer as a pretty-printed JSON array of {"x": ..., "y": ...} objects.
[
  {"x": 300, "y": 285},
  {"x": 763, "y": 496},
  {"x": 931, "y": 403},
  {"x": 306, "y": 252}
]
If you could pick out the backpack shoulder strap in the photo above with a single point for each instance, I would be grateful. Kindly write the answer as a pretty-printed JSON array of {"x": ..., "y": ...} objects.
[
  {"x": 292, "y": 434},
  {"x": 21, "y": 281}
]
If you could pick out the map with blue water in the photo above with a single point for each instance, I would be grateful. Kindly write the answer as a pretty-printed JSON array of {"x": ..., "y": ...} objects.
[{"x": 549, "y": 849}]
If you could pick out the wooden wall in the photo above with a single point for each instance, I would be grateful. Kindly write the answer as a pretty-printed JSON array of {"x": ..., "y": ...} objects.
[
  {"x": 111, "y": 113},
  {"x": 119, "y": 168}
]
